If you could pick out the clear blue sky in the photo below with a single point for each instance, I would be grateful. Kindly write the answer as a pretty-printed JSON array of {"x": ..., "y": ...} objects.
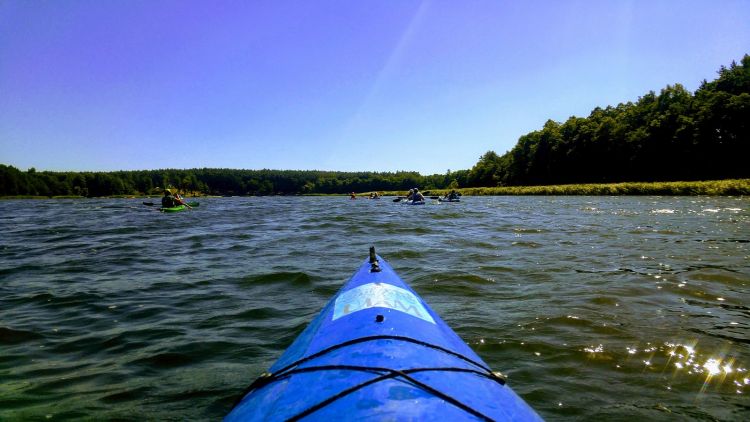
[{"x": 379, "y": 85}]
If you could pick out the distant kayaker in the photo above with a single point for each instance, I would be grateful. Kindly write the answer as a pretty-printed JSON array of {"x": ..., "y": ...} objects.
[
  {"x": 451, "y": 196},
  {"x": 417, "y": 196},
  {"x": 352, "y": 195},
  {"x": 168, "y": 200},
  {"x": 410, "y": 195},
  {"x": 179, "y": 201}
]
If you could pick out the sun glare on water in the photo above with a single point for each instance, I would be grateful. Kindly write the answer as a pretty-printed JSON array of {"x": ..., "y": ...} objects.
[{"x": 717, "y": 371}]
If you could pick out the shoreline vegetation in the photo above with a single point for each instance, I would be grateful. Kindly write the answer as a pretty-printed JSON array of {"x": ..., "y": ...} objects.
[
  {"x": 634, "y": 148},
  {"x": 731, "y": 187}
]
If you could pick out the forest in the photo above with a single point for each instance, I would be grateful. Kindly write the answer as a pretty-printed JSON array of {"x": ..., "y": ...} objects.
[
  {"x": 14, "y": 182},
  {"x": 670, "y": 136},
  {"x": 674, "y": 135}
]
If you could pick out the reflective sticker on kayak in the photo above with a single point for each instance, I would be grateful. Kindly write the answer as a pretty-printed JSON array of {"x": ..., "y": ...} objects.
[{"x": 379, "y": 295}]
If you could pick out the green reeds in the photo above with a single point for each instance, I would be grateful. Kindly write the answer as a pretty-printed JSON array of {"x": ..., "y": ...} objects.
[{"x": 730, "y": 187}]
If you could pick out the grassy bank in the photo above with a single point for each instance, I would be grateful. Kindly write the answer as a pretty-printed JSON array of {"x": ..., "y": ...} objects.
[{"x": 733, "y": 187}]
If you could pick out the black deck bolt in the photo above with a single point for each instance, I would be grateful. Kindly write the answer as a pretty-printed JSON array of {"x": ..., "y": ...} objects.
[{"x": 379, "y": 318}]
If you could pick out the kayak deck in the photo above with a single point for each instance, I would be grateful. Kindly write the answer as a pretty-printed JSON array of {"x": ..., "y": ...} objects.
[{"x": 377, "y": 351}]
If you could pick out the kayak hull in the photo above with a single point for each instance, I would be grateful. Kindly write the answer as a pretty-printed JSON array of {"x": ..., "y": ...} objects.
[
  {"x": 377, "y": 351},
  {"x": 173, "y": 209},
  {"x": 448, "y": 200},
  {"x": 410, "y": 202}
]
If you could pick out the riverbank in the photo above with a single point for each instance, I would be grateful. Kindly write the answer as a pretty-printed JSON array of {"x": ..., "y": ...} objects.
[{"x": 732, "y": 187}]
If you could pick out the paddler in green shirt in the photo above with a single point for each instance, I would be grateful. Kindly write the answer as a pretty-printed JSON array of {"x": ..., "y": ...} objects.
[{"x": 168, "y": 201}]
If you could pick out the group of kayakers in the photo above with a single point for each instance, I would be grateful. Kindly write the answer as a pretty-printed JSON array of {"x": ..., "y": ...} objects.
[
  {"x": 414, "y": 195},
  {"x": 373, "y": 195}
]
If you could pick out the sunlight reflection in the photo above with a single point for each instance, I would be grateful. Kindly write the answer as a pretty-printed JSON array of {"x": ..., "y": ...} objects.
[
  {"x": 592, "y": 349},
  {"x": 716, "y": 370},
  {"x": 712, "y": 366}
]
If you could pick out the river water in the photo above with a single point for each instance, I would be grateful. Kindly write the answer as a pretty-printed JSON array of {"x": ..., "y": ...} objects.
[{"x": 595, "y": 307}]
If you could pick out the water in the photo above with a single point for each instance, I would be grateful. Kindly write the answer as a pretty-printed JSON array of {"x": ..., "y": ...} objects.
[{"x": 596, "y": 307}]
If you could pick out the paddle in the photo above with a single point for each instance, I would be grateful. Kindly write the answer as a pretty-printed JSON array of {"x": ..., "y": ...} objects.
[
  {"x": 180, "y": 201},
  {"x": 397, "y": 199},
  {"x": 194, "y": 204},
  {"x": 184, "y": 203},
  {"x": 151, "y": 204}
]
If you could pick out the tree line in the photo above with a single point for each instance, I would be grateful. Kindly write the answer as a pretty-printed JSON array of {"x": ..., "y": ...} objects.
[
  {"x": 673, "y": 135},
  {"x": 14, "y": 182}
]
